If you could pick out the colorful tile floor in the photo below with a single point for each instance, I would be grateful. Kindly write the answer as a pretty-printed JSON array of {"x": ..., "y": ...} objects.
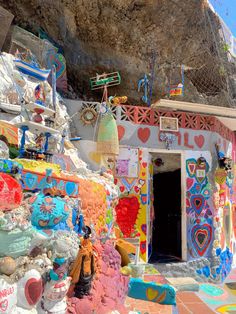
[{"x": 210, "y": 299}]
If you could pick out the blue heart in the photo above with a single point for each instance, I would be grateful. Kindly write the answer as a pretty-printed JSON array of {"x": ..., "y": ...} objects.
[
  {"x": 31, "y": 180},
  {"x": 70, "y": 187}
]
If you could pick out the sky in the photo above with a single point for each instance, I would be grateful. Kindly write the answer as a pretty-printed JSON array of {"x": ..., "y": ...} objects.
[{"x": 227, "y": 11}]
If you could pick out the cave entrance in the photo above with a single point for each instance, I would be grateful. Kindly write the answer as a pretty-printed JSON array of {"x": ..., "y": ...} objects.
[{"x": 166, "y": 243}]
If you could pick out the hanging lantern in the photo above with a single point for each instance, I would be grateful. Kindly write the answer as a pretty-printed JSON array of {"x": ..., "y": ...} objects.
[
  {"x": 10, "y": 192},
  {"x": 201, "y": 161}
]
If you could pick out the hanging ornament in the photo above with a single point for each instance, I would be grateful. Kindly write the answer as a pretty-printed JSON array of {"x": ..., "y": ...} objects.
[
  {"x": 201, "y": 161},
  {"x": 159, "y": 162},
  {"x": 88, "y": 116}
]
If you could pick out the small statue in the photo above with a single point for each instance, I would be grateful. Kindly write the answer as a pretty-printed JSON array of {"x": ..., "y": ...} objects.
[
  {"x": 39, "y": 94},
  {"x": 56, "y": 288},
  {"x": 39, "y": 141},
  {"x": 83, "y": 268}
]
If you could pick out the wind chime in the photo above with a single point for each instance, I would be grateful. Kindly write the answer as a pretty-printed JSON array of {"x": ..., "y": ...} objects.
[
  {"x": 176, "y": 82},
  {"x": 107, "y": 135}
]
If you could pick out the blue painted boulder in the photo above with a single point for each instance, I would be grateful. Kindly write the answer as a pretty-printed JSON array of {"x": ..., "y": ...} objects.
[{"x": 150, "y": 291}]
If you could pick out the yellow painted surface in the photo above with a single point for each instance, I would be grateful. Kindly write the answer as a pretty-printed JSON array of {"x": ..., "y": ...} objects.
[{"x": 39, "y": 166}]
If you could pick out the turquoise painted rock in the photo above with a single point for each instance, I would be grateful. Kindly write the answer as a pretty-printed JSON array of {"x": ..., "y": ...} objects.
[
  {"x": 16, "y": 242},
  {"x": 48, "y": 211},
  {"x": 152, "y": 292}
]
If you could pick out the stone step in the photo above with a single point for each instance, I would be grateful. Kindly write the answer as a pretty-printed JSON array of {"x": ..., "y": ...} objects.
[{"x": 183, "y": 283}]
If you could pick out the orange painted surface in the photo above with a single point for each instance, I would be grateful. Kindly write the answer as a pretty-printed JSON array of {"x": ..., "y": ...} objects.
[{"x": 93, "y": 202}]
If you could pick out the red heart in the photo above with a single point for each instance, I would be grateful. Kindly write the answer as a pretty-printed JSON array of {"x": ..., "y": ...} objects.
[
  {"x": 122, "y": 188},
  {"x": 3, "y": 305},
  {"x": 136, "y": 189},
  {"x": 199, "y": 140},
  {"x": 126, "y": 214},
  {"x": 121, "y": 131},
  {"x": 115, "y": 181},
  {"x": 33, "y": 290},
  {"x": 144, "y": 134},
  {"x": 144, "y": 164},
  {"x": 189, "y": 183}
]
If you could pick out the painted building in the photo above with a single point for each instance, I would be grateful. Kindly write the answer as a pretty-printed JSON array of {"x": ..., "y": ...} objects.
[{"x": 173, "y": 191}]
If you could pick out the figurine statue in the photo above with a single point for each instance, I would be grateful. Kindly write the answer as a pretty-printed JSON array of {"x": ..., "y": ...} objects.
[
  {"x": 83, "y": 268},
  {"x": 56, "y": 288}
]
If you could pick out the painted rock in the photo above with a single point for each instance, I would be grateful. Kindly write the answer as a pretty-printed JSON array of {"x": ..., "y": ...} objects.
[
  {"x": 8, "y": 293},
  {"x": 10, "y": 192},
  {"x": 16, "y": 243},
  {"x": 7, "y": 266},
  {"x": 29, "y": 290},
  {"x": 47, "y": 211}
]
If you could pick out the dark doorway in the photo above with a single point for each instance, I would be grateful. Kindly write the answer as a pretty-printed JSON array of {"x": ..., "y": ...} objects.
[{"x": 166, "y": 233}]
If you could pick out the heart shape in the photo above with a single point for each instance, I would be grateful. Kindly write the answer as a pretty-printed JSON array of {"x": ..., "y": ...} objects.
[
  {"x": 70, "y": 188},
  {"x": 143, "y": 247},
  {"x": 144, "y": 199},
  {"x": 136, "y": 189},
  {"x": 201, "y": 173},
  {"x": 199, "y": 140},
  {"x": 191, "y": 167},
  {"x": 33, "y": 290},
  {"x": 3, "y": 305},
  {"x": 31, "y": 180},
  {"x": 144, "y": 164},
  {"x": 144, "y": 228},
  {"x": 197, "y": 203},
  {"x": 122, "y": 188},
  {"x": 151, "y": 294},
  {"x": 121, "y": 132},
  {"x": 201, "y": 238},
  {"x": 144, "y": 134},
  {"x": 189, "y": 183},
  {"x": 126, "y": 214},
  {"x": 220, "y": 176}
]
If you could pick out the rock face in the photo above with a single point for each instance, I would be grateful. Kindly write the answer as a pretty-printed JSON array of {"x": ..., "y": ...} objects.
[{"x": 104, "y": 36}]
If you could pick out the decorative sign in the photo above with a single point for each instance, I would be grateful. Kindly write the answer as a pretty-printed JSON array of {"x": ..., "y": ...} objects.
[
  {"x": 127, "y": 163},
  {"x": 169, "y": 124}
]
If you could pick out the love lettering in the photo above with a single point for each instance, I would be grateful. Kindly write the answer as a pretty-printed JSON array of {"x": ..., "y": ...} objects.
[{"x": 6, "y": 292}]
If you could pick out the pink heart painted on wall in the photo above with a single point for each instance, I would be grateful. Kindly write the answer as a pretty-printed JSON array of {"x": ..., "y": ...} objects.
[
  {"x": 189, "y": 183},
  {"x": 4, "y": 305},
  {"x": 199, "y": 140},
  {"x": 144, "y": 134},
  {"x": 121, "y": 132}
]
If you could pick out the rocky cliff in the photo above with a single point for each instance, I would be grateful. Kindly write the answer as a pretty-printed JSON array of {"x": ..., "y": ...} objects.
[{"x": 121, "y": 35}]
